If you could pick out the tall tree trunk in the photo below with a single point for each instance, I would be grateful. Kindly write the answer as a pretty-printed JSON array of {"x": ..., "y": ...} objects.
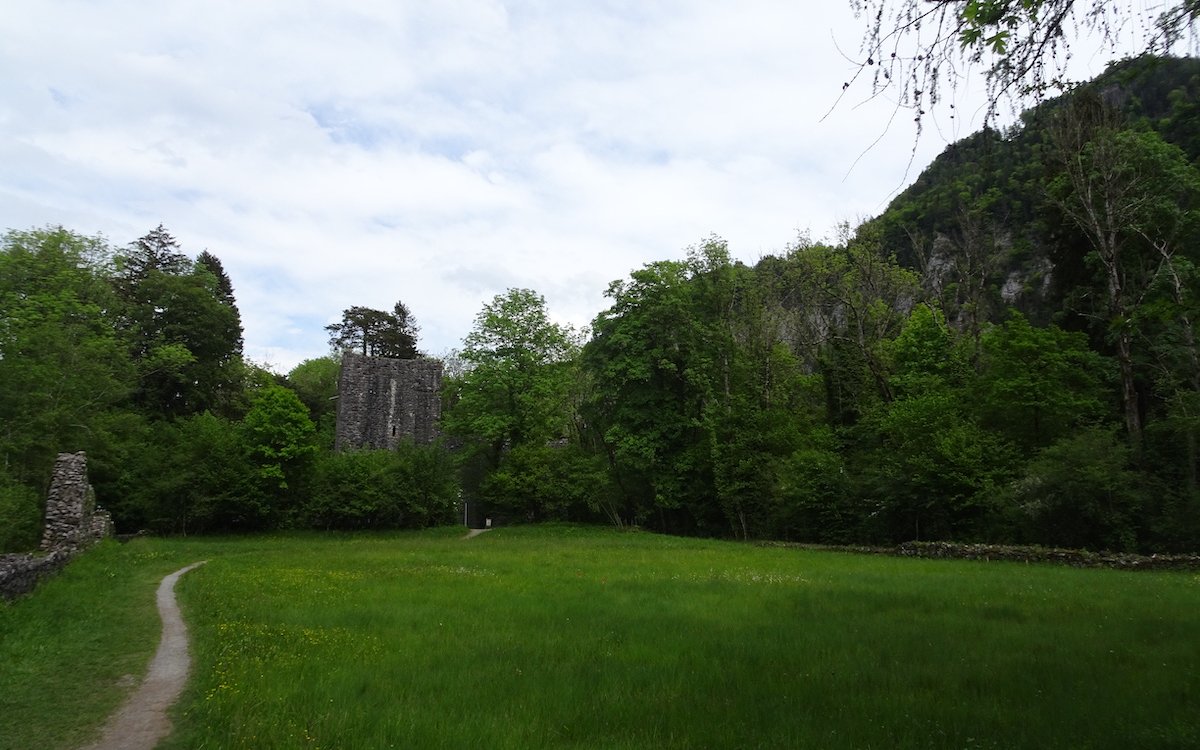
[
  {"x": 1189, "y": 343},
  {"x": 1129, "y": 395},
  {"x": 1118, "y": 314}
]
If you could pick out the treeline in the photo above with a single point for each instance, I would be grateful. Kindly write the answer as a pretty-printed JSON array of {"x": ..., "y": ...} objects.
[
  {"x": 818, "y": 396},
  {"x": 134, "y": 354},
  {"x": 1008, "y": 354},
  {"x": 945, "y": 372}
]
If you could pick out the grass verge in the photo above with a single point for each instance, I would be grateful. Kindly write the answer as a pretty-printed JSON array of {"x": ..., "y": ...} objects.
[
  {"x": 74, "y": 648},
  {"x": 573, "y": 637}
]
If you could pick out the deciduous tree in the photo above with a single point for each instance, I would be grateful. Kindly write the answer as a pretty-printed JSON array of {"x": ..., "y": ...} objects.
[
  {"x": 512, "y": 406},
  {"x": 1037, "y": 385},
  {"x": 515, "y": 391},
  {"x": 315, "y": 381},
  {"x": 914, "y": 50},
  {"x": 277, "y": 436},
  {"x": 63, "y": 369},
  {"x": 1133, "y": 196}
]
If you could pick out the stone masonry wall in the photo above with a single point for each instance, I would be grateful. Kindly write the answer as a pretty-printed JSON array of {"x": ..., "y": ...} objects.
[
  {"x": 383, "y": 401},
  {"x": 1014, "y": 553},
  {"x": 69, "y": 504},
  {"x": 73, "y": 523},
  {"x": 19, "y": 574}
]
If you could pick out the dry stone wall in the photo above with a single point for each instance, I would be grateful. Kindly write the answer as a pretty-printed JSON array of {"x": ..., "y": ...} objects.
[
  {"x": 383, "y": 401},
  {"x": 19, "y": 574},
  {"x": 72, "y": 519},
  {"x": 1015, "y": 553},
  {"x": 73, "y": 523},
  {"x": 1072, "y": 557}
]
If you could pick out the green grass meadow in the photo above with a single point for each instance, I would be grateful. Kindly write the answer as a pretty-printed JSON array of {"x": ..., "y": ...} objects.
[{"x": 574, "y": 637}]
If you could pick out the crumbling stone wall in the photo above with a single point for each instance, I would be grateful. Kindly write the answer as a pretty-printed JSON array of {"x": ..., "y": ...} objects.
[
  {"x": 19, "y": 574},
  {"x": 72, "y": 519},
  {"x": 382, "y": 401},
  {"x": 1074, "y": 558},
  {"x": 73, "y": 523}
]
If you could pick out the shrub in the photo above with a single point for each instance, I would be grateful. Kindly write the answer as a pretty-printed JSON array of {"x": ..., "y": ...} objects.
[
  {"x": 815, "y": 502},
  {"x": 547, "y": 482},
  {"x": 20, "y": 516},
  {"x": 191, "y": 475},
  {"x": 277, "y": 437},
  {"x": 1082, "y": 493},
  {"x": 411, "y": 487}
]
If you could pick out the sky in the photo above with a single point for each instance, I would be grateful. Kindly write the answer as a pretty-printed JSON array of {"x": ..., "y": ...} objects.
[{"x": 440, "y": 153}]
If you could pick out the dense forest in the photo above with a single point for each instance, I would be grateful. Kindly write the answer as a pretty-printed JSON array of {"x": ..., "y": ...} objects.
[{"x": 1006, "y": 354}]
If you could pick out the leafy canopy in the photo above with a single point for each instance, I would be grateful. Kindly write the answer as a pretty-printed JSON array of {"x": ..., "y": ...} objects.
[{"x": 912, "y": 50}]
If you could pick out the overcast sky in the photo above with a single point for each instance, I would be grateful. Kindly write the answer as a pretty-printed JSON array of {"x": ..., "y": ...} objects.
[{"x": 360, "y": 153}]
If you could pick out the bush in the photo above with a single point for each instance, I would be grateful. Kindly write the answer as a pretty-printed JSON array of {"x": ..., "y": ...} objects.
[
  {"x": 191, "y": 475},
  {"x": 277, "y": 438},
  {"x": 546, "y": 482},
  {"x": 20, "y": 516},
  {"x": 1082, "y": 493},
  {"x": 815, "y": 503},
  {"x": 413, "y": 486}
]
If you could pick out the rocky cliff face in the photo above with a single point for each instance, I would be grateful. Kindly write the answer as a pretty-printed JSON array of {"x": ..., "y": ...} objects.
[{"x": 978, "y": 224}]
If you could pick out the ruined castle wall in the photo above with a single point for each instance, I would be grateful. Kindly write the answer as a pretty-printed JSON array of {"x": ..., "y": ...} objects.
[
  {"x": 383, "y": 401},
  {"x": 69, "y": 504},
  {"x": 73, "y": 523},
  {"x": 19, "y": 574}
]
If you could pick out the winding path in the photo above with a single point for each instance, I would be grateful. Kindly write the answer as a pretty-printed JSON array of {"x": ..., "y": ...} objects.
[{"x": 142, "y": 722}]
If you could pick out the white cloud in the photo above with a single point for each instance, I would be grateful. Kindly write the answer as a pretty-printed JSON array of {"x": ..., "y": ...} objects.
[{"x": 360, "y": 153}]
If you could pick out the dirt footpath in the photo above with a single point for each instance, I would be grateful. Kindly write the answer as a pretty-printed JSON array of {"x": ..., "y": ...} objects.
[{"x": 142, "y": 722}]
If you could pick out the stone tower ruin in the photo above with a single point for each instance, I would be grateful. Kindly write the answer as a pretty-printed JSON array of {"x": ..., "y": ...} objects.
[
  {"x": 73, "y": 521},
  {"x": 383, "y": 401}
]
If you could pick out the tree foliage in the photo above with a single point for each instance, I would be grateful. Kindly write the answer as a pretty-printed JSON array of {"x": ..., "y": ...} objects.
[
  {"x": 1037, "y": 385},
  {"x": 376, "y": 333},
  {"x": 1082, "y": 492},
  {"x": 516, "y": 389},
  {"x": 182, "y": 325},
  {"x": 1135, "y": 198},
  {"x": 63, "y": 366},
  {"x": 315, "y": 381},
  {"x": 413, "y": 487},
  {"x": 512, "y": 407},
  {"x": 1008, "y": 354},
  {"x": 915, "y": 50}
]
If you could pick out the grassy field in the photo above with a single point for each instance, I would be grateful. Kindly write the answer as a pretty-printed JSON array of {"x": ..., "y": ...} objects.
[{"x": 592, "y": 638}]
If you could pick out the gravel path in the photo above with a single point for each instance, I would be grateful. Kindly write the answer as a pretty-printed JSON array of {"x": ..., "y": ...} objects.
[
  {"x": 142, "y": 722},
  {"x": 475, "y": 532}
]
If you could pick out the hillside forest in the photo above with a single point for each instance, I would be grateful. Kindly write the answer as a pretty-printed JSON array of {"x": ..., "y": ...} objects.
[{"x": 1007, "y": 354}]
